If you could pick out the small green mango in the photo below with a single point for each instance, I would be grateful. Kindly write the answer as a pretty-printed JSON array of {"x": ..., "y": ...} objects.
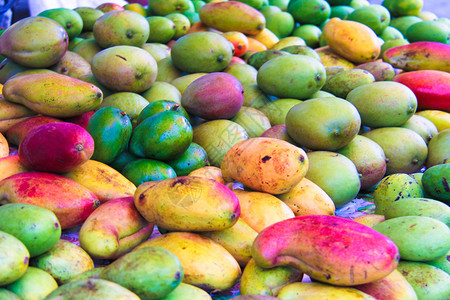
[
  {"x": 254, "y": 97},
  {"x": 36, "y": 227},
  {"x": 159, "y": 106},
  {"x": 151, "y": 272},
  {"x": 34, "y": 284},
  {"x": 417, "y": 238},
  {"x": 419, "y": 207},
  {"x": 8, "y": 295},
  {"x": 436, "y": 182},
  {"x": 89, "y": 15},
  {"x": 257, "y": 59},
  {"x": 254, "y": 121},
  {"x": 87, "y": 49},
  {"x": 167, "y": 72},
  {"x": 67, "y": 18},
  {"x": 439, "y": 149},
  {"x": 193, "y": 158},
  {"x": 278, "y": 109},
  {"x": 343, "y": 82},
  {"x": 187, "y": 291},
  {"x": 162, "y": 91},
  {"x": 14, "y": 257},
  {"x": 142, "y": 170},
  {"x": 92, "y": 289}
]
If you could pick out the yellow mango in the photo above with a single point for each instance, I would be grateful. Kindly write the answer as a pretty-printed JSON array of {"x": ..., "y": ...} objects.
[
  {"x": 4, "y": 146},
  {"x": 11, "y": 165},
  {"x": 105, "y": 182},
  {"x": 206, "y": 264},
  {"x": 329, "y": 58},
  {"x": 315, "y": 290},
  {"x": 266, "y": 37},
  {"x": 353, "y": 40},
  {"x": 260, "y": 210},
  {"x": 439, "y": 118},
  {"x": 210, "y": 172},
  {"x": 307, "y": 198},
  {"x": 370, "y": 219}
]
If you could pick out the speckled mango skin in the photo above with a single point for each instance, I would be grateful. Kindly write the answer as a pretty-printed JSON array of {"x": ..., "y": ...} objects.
[{"x": 329, "y": 249}]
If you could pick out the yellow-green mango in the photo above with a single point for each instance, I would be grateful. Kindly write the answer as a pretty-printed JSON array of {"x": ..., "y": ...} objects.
[
  {"x": 370, "y": 220},
  {"x": 428, "y": 281},
  {"x": 167, "y": 72},
  {"x": 92, "y": 289},
  {"x": 155, "y": 49},
  {"x": 64, "y": 261},
  {"x": 8, "y": 295},
  {"x": 182, "y": 82},
  {"x": 14, "y": 256},
  {"x": 316, "y": 290},
  {"x": 130, "y": 103},
  {"x": 34, "y": 284},
  {"x": 161, "y": 90},
  {"x": 72, "y": 64},
  {"x": 439, "y": 149},
  {"x": 206, "y": 264},
  {"x": 256, "y": 280},
  {"x": 254, "y": 121},
  {"x": 187, "y": 291},
  {"x": 382, "y": 71},
  {"x": 53, "y": 94},
  {"x": 278, "y": 109},
  {"x": 150, "y": 272},
  {"x": 343, "y": 82},
  {"x": 188, "y": 203},
  {"x": 424, "y": 127},
  {"x": 90, "y": 274},
  {"x": 36, "y": 227},
  {"x": 419, "y": 207},
  {"x": 436, "y": 181},
  {"x": 87, "y": 49},
  {"x": 442, "y": 262},
  {"x": 257, "y": 59},
  {"x": 417, "y": 238},
  {"x": 254, "y": 97}
]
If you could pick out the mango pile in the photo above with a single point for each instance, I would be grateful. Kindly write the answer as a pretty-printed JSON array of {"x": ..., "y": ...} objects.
[{"x": 205, "y": 148}]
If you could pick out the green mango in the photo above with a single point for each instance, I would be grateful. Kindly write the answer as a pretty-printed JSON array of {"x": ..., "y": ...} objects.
[
  {"x": 167, "y": 71},
  {"x": 34, "y": 284},
  {"x": 419, "y": 207},
  {"x": 67, "y": 18},
  {"x": 163, "y": 136},
  {"x": 14, "y": 257},
  {"x": 303, "y": 50},
  {"x": 418, "y": 238},
  {"x": 122, "y": 160},
  {"x": 393, "y": 188},
  {"x": 130, "y": 103},
  {"x": 162, "y": 91},
  {"x": 8, "y": 295},
  {"x": 36, "y": 227},
  {"x": 182, "y": 24},
  {"x": 142, "y": 170},
  {"x": 254, "y": 97},
  {"x": 111, "y": 130},
  {"x": 193, "y": 158},
  {"x": 165, "y": 7},
  {"x": 187, "y": 291},
  {"x": 151, "y": 272},
  {"x": 162, "y": 29},
  {"x": 64, "y": 261},
  {"x": 442, "y": 262},
  {"x": 35, "y": 42},
  {"x": 89, "y": 15},
  {"x": 257, "y": 59},
  {"x": 344, "y": 82},
  {"x": 427, "y": 281},
  {"x": 254, "y": 121},
  {"x": 182, "y": 82},
  {"x": 421, "y": 125},
  {"x": 92, "y": 289},
  {"x": 439, "y": 149},
  {"x": 256, "y": 280},
  {"x": 8, "y": 69},
  {"x": 245, "y": 73},
  {"x": 90, "y": 274},
  {"x": 436, "y": 181},
  {"x": 278, "y": 109},
  {"x": 72, "y": 64},
  {"x": 201, "y": 52},
  {"x": 87, "y": 49},
  {"x": 90, "y": 78},
  {"x": 160, "y": 106},
  {"x": 156, "y": 50}
]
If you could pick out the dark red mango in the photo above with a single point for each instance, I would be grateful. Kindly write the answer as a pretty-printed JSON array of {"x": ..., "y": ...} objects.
[
  {"x": 431, "y": 87},
  {"x": 82, "y": 119}
]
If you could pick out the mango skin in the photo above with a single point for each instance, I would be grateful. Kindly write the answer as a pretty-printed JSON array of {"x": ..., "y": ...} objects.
[
  {"x": 8, "y": 295},
  {"x": 115, "y": 228},
  {"x": 267, "y": 282},
  {"x": 17, "y": 133},
  {"x": 206, "y": 264},
  {"x": 188, "y": 203},
  {"x": 436, "y": 180},
  {"x": 35, "y": 42},
  {"x": 317, "y": 290},
  {"x": 327, "y": 248},
  {"x": 417, "y": 238},
  {"x": 11, "y": 165},
  {"x": 53, "y": 94},
  {"x": 263, "y": 164},
  {"x": 187, "y": 291},
  {"x": 36, "y": 227},
  {"x": 150, "y": 272},
  {"x": 70, "y": 202},
  {"x": 15, "y": 258},
  {"x": 92, "y": 289},
  {"x": 34, "y": 284},
  {"x": 343, "y": 82}
]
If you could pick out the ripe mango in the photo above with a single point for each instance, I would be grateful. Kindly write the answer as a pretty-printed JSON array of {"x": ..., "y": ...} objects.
[
  {"x": 14, "y": 256},
  {"x": 53, "y": 94},
  {"x": 317, "y": 290},
  {"x": 358, "y": 253},
  {"x": 17, "y": 133},
  {"x": 34, "y": 284},
  {"x": 11, "y": 165}
]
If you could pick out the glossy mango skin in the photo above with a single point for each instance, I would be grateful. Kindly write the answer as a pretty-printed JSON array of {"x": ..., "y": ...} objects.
[
  {"x": 113, "y": 229},
  {"x": 436, "y": 180},
  {"x": 71, "y": 202},
  {"x": 17, "y": 133},
  {"x": 327, "y": 248}
]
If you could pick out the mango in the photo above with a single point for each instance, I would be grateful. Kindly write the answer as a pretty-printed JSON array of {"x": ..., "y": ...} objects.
[
  {"x": 193, "y": 158},
  {"x": 256, "y": 280},
  {"x": 11, "y": 165},
  {"x": 435, "y": 182},
  {"x": 344, "y": 82},
  {"x": 34, "y": 284},
  {"x": 87, "y": 49},
  {"x": 68, "y": 18},
  {"x": 38, "y": 150},
  {"x": 150, "y": 272},
  {"x": 210, "y": 172},
  {"x": 167, "y": 72},
  {"x": 53, "y": 94},
  {"x": 188, "y": 203},
  {"x": 92, "y": 289},
  {"x": 102, "y": 180},
  {"x": 17, "y": 133},
  {"x": 182, "y": 82},
  {"x": 257, "y": 59},
  {"x": 7, "y": 295},
  {"x": 15, "y": 258},
  {"x": 370, "y": 220},
  {"x": 68, "y": 200},
  {"x": 315, "y": 290},
  {"x": 64, "y": 261},
  {"x": 36, "y": 227},
  {"x": 90, "y": 274},
  {"x": 206, "y": 264},
  {"x": 254, "y": 297},
  {"x": 72, "y": 64},
  {"x": 424, "y": 127},
  {"x": 419, "y": 207},
  {"x": 35, "y": 42},
  {"x": 278, "y": 109},
  {"x": 438, "y": 149},
  {"x": 113, "y": 229},
  {"x": 353, "y": 40},
  {"x": 187, "y": 291},
  {"x": 12, "y": 113},
  {"x": 162, "y": 91},
  {"x": 330, "y": 58},
  {"x": 442, "y": 262},
  {"x": 359, "y": 253},
  {"x": 307, "y": 198},
  {"x": 254, "y": 121},
  {"x": 278, "y": 132},
  {"x": 232, "y": 16},
  {"x": 439, "y": 118},
  {"x": 381, "y": 71},
  {"x": 427, "y": 281},
  {"x": 267, "y": 171}
]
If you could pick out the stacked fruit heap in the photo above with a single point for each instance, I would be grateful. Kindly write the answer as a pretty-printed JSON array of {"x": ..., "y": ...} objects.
[{"x": 236, "y": 128}]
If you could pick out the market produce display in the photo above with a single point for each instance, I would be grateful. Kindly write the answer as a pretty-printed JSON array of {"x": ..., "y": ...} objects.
[{"x": 257, "y": 149}]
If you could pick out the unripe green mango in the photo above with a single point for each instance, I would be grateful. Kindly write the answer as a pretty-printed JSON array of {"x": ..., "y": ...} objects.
[
  {"x": 419, "y": 207},
  {"x": 439, "y": 149},
  {"x": 343, "y": 82},
  {"x": 8, "y": 69},
  {"x": 89, "y": 15},
  {"x": 187, "y": 291},
  {"x": 35, "y": 226},
  {"x": 436, "y": 181},
  {"x": 254, "y": 97},
  {"x": 87, "y": 49},
  {"x": 92, "y": 289},
  {"x": 36, "y": 42},
  {"x": 254, "y": 121},
  {"x": 421, "y": 125},
  {"x": 67, "y": 18},
  {"x": 442, "y": 262},
  {"x": 257, "y": 59},
  {"x": 417, "y": 238},
  {"x": 90, "y": 274},
  {"x": 193, "y": 158},
  {"x": 278, "y": 109},
  {"x": 64, "y": 261},
  {"x": 167, "y": 72},
  {"x": 34, "y": 284},
  {"x": 150, "y": 272},
  {"x": 162, "y": 91},
  {"x": 53, "y": 94},
  {"x": 8, "y": 295},
  {"x": 14, "y": 257}
]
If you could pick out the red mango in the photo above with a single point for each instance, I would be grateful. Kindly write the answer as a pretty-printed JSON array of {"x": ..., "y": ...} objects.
[{"x": 17, "y": 133}]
